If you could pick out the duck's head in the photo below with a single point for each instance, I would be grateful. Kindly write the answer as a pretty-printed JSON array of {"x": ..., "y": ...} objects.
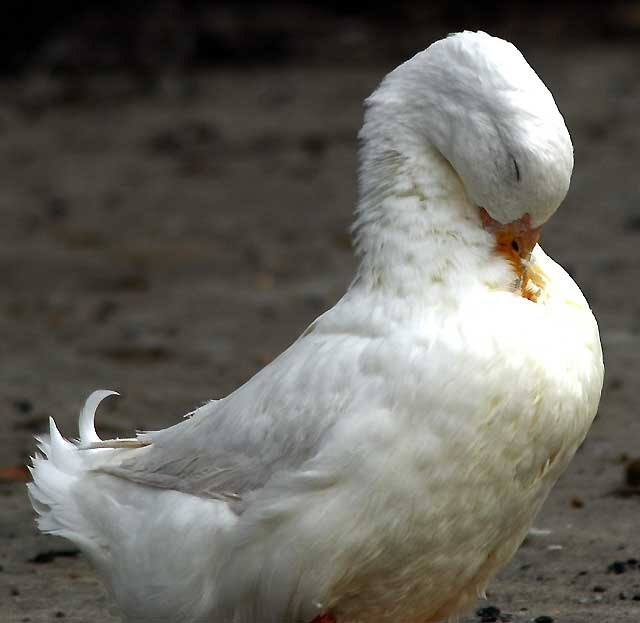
[{"x": 474, "y": 99}]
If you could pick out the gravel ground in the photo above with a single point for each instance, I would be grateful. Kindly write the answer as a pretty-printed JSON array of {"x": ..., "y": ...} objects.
[{"x": 168, "y": 241}]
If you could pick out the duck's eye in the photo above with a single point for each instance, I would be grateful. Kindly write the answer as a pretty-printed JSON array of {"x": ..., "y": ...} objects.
[{"x": 515, "y": 246}]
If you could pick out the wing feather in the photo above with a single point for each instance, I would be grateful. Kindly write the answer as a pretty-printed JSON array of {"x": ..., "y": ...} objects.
[{"x": 276, "y": 421}]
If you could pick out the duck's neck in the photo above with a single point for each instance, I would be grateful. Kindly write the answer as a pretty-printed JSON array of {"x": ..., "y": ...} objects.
[{"x": 416, "y": 233}]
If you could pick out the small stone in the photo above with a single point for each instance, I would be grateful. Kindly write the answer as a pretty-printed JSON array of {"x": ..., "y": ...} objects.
[
  {"x": 636, "y": 597},
  {"x": 489, "y": 614},
  {"x": 51, "y": 555},
  {"x": 632, "y": 473},
  {"x": 314, "y": 144},
  {"x": 622, "y": 595},
  {"x": 543, "y": 619},
  {"x": 614, "y": 385},
  {"x": 23, "y": 405},
  {"x": 599, "y": 589},
  {"x": 577, "y": 502},
  {"x": 617, "y": 567}
]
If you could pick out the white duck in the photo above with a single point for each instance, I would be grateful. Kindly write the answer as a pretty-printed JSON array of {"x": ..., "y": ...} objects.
[{"x": 391, "y": 461}]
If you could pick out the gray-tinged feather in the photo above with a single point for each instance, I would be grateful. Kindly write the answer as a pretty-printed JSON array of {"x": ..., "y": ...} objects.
[{"x": 273, "y": 423}]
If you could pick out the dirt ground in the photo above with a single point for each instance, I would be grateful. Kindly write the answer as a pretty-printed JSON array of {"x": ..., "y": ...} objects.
[{"x": 168, "y": 241}]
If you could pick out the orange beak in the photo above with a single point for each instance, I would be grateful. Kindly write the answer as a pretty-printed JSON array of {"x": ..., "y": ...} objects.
[{"x": 514, "y": 241}]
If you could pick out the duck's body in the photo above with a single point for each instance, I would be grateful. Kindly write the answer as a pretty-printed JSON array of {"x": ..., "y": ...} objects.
[{"x": 388, "y": 463}]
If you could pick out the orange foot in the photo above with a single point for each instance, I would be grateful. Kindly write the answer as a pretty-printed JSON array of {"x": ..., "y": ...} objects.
[{"x": 324, "y": 618}]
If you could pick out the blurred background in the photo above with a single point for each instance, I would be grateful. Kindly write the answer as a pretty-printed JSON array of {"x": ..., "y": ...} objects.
[{"x": 176, "y": 186}]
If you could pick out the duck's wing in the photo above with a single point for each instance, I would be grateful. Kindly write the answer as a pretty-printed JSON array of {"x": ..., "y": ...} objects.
[{"x": 276, "y": 421}]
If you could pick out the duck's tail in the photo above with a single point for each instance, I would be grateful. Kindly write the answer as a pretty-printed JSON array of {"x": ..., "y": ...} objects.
[
  {"x": 57, "y": 472},
  {"x": 154, "y": 548}
]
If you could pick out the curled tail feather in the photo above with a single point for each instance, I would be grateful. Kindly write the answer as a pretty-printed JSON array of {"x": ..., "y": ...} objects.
[
  {"x": 86, "y": 421},
  {"x": 89, "y": 439}
]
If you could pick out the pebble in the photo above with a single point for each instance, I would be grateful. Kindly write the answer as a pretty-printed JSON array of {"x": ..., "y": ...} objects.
[
  {"x": 543, "y": 619},
  {"x": 633, "y": 473},
  {"x": 617, "y": 567},
  {"x": 51, "y": 555},
  {"x": 489, "y": 614},
  {"x": 23, "y": 405}
]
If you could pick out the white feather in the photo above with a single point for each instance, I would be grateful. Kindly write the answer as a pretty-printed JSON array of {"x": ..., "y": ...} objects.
[{"x": 86, "y": 425}]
